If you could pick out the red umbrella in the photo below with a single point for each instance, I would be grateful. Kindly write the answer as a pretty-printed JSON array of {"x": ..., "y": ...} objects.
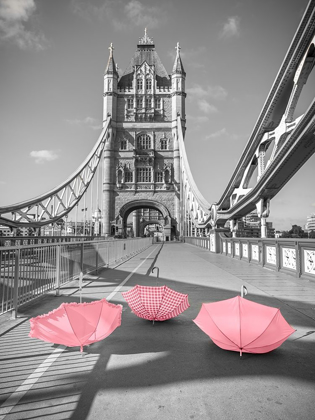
[
  {"x": 77, "y": 324},
  {"x": 156, "y": 303},
  {"x": 238, "y": 324}
]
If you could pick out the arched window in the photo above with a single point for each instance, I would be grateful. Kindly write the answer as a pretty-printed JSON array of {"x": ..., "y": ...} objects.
[
  {"x": 139, "y": 102},
  {"x": 144, "y": 142},
  {"x": 148, "y": 83},
  {"x": 120, "y": 176},
  {"x": 167, "y": 176},
  {"x": 148, "y": 103},
  {"x": 158, "y": 103},
  {"x": 139, "y": 84}
]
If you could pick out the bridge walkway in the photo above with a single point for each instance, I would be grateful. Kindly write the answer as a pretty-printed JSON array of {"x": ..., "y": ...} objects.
[{"x": 169, "y": 370}]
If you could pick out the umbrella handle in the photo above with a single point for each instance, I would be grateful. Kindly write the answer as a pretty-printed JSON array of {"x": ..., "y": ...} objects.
[{"x": 157, "y": 274}]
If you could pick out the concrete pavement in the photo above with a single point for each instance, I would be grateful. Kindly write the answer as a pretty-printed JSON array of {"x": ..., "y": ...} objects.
[{"x": 171, "y": 370}]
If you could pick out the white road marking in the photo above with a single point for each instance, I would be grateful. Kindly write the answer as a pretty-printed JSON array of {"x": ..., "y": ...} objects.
[
  {"x": 19, "y": 393},
  {"x": 128, "y": 277}
]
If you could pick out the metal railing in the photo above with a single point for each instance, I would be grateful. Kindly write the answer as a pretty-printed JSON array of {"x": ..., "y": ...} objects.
[
  {"x": 293, "y": 256},
  {"x": 202, "y": 242},
  {"x": 27, "y": 272},
  {"x": 34, "y": 240}
]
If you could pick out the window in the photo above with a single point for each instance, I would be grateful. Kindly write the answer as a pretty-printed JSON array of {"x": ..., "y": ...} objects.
[
  {"x": 158, "y": 103},
  {"x": 163, "y": 144},
  {"x": 128, "y": 176},
  {"x": 123, "y": 145},
  {"x": 139, "y": 84},
  {"x": 148, "y": 103},
  {"x": 144, "y": 175},
  {"x": 144, "y": 142},
  {"x": 139, "y": 102},
  {"x": 158, "y": 176},
  {"x": 129, "y": 103},
  {"x": 148, "y": 83}
]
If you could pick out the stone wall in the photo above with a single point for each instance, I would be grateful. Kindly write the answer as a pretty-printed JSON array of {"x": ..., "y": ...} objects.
[{"x": 165, "y": 197}]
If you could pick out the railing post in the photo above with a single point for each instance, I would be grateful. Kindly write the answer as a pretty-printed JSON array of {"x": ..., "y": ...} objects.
[
  {"x": 298, "y": 259},
  {"x": 16, "y": 284},
  {"x": 57, "y": 286},
  {"x": 96, "y": 258},
  {"x": 81, "y": 256}
]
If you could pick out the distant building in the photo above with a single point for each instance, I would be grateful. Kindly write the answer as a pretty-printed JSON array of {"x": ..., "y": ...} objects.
[
  {"x": 310, "y": 223},
  {"x": 250, "y": 227},
  {"x": 5, "y": 231}
]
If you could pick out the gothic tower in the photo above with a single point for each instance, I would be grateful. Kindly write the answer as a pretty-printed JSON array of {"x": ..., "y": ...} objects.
[{"x": 141, "y": 158}]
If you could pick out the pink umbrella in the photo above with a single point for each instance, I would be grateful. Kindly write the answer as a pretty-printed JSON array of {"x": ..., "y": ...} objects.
[
  {"x": 77, "y": 324},
  {"x": 156, "y": 303},
  {"x": 238, "y": 324}
]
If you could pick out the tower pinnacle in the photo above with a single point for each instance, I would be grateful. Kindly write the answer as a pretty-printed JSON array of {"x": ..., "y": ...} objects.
[
  {"x": 178, "y": 65},
  {"x": 111, "y": 67}
]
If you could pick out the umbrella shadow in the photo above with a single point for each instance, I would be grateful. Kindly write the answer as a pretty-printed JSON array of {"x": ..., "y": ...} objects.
[{"x": 139, "y": 355}]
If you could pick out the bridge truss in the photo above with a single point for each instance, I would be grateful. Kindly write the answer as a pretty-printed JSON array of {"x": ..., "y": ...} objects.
[{"x": 292, "y": 143}]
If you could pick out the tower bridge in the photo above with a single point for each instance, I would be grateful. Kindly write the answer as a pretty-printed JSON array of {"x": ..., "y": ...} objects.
[{"x": 139, "y": 160}]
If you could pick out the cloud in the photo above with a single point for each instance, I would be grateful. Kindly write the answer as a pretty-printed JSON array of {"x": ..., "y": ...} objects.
[
  {"x": 142, "y": 15},
  {"x": 231, "y": 28},
  {"x": 14, "y": 14},
  {"x": 2, "y": 182},
  {"x": 214, "y": 92},
  {"x": 88, "y": 121},
  {"x": 207, "y": 108},
  {"x": 122, "y": 15},
  {"x": 42, "y": 156},
  {"x": 190, "y": 56},
  {"x": 216, "y": 134},
  {"x": 222, "y": 133},
  {"x": 198, "y": 118}
]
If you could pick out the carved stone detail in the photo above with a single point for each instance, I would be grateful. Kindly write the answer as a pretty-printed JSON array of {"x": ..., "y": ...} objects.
[{"x": 289, "y": 258}]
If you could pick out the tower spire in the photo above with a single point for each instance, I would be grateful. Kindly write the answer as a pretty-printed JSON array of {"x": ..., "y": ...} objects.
[
  {"x": 111, "y": 66},
  {"x": 178, "y": 65}
]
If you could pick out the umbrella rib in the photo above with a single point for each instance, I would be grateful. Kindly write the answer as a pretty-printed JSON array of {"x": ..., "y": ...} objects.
[
  {"x": 279, "y": 341},
  {"x": 160, "y": 304},
  {"x": 97, "y": 322},
  {"x": 72, "y": 328},
  {"x": 222, "y": 331},
  {"x": 264, "y": 330},
  {"x": 239, "y": 316}
]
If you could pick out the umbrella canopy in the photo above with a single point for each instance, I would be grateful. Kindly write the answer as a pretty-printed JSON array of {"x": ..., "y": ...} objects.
[
  {"x": 77, "y": 324},
  {"x": 238, "y": 324},
  {"x": 156, "y": 303}
]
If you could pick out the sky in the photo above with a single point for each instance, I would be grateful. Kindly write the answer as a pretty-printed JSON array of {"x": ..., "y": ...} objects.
[{"x": 52, "y": 60}]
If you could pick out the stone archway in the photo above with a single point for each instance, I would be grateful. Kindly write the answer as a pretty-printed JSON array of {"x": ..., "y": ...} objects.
[
  {"x": 131, "y": 206},
  {"x": 146, "y": 223}
]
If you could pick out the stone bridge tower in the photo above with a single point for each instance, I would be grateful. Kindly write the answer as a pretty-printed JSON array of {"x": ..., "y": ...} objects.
[{"x": 141, "y": 157}]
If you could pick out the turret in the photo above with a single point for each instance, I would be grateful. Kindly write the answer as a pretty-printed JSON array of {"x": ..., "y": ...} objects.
[
  {"x": 110, "y": 88},
  {"x": 178, "y": 109},
  {"x": 178, "y": 87}
]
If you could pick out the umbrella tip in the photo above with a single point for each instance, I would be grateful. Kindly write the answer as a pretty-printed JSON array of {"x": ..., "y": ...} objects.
[{"x": 243, "y": 290}]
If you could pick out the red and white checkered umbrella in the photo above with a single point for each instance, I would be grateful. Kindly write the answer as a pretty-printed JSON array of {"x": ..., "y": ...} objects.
[{"x": 156, "y": 303}]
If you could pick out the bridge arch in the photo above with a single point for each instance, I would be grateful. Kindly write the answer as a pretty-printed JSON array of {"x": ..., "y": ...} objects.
[{"x": 131, "y": 206}]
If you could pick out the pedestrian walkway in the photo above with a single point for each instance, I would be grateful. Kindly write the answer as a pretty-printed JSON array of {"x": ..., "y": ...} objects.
[{"x": 169, "y": 370}]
